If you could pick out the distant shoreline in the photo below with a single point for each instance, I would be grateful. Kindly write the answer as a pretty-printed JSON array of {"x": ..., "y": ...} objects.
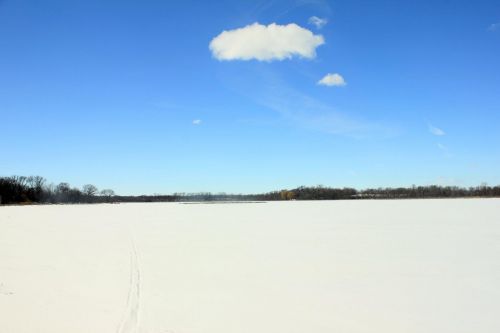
[
  {"x": 35, "y": 189},
  {"x": 230, "y": 202}
]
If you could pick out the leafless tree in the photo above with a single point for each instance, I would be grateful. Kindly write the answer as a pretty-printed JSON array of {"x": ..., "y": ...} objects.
[
  {"x": 107, "y": 193},
  {"x": 89, "y": 190},
  {"x": 63, "y": 187}
]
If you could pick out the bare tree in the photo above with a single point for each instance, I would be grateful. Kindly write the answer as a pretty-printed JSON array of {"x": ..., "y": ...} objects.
[
  {"x": 107, "y": 193},
  {"x": 89, "y": 190},
  {"x": 63, "y": 187}
]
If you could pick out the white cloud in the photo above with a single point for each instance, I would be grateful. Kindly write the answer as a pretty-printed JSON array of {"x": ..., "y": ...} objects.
[
  {"x": 270, "y": 90},
  {"x": 197, "y": 122},
  {"x": 310, "y": 113},
  {"x": 266, "y": 43},
  {"x": 494, "y": 27},
  {"x": 441, "y": 146},
  {"x": 332, "y": 79},
  {"x": 436, "y": 131},
  {"x": 445, "y": 150},
  {"x": 318, "y": 22}
]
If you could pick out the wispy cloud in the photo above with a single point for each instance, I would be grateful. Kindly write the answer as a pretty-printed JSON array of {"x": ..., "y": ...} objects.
[
  {"x": 267, "y": 88},
  {"x": 444, "y": 149},
  {"x": 436, "y": 131},
  {"x": 197, "y": 122},
  {"x": 266, "y": 43},
  {"x": 441, "y": 146},
  {"x": 310, "y": 113},
  {"x": 494, "y": 27},
  {"x": 318, "y": 22},
  {"x": 332, "y": 79}
]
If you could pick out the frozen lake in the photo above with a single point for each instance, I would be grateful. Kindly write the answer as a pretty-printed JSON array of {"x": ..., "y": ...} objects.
[{"x": 428, "y": 266}]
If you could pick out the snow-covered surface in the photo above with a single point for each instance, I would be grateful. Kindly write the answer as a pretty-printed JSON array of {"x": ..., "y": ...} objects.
[{"x": 430, "y": 266}]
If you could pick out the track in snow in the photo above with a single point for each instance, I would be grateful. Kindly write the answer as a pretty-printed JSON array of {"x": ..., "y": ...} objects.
[{"x": 130, "y": 320}]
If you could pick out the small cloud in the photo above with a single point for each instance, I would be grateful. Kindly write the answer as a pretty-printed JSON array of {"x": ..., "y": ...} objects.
[
  {"x": 332, "y": 79},
  {"x": 197, "y": 122},
  {"x": 265, "y": 43},
  {"x": 494, "y": 27},
  {"x": 436, "y": 131},
  {"x": 309, "y": 113},
  {"x": 445, "y": 150},
  {"x": 318, "y": 22}
]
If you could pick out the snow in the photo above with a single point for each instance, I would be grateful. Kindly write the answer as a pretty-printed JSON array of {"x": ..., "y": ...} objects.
[{"x": 320, "y": 266}]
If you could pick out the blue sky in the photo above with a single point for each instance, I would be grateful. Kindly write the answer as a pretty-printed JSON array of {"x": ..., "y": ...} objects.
[{"x": 153, "y": 97}]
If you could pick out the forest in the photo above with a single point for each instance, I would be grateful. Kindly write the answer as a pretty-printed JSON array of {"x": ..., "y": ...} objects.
[{"x": 36, "y": 190}]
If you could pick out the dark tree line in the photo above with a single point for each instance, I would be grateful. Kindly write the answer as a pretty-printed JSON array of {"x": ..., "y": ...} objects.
[
  {"x": 414, "y": 192},
  {"x": 17, "y": 189},
  {"x": 325, "y": 193},
  {"x": 34, "y": 189}
]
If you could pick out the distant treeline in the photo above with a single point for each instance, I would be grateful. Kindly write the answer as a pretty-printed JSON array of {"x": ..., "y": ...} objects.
[
  {"x": 35, "y": 189},
  {"x": 414, "y": 192}
]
